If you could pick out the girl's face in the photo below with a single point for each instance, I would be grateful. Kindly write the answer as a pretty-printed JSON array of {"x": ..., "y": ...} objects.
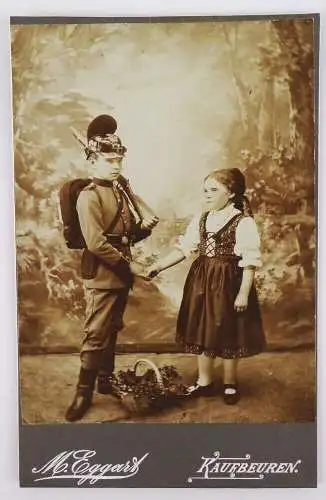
[
  {"x": 107, "y": 166},
  {"x": 217, "y": 196}
]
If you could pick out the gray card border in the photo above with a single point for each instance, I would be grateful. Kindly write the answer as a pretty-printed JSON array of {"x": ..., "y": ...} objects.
[{"x": 155, "y": 19}]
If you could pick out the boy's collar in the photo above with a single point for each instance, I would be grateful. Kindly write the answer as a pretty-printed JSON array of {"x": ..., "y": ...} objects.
[{"x": 102, "y": 182}]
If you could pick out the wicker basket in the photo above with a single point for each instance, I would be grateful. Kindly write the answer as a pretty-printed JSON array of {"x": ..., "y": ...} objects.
[{"x": 144, "y": 404}]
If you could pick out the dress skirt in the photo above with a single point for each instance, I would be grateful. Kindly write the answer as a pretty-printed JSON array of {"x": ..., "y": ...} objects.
[{"x": 207, "y": 321}]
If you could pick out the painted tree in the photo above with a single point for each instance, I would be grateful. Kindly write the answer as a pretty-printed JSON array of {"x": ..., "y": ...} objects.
[
  {"x": 249, "y": 99},
  {"x": 280, "y": 161},
  {"x": 296, "y": 40}
]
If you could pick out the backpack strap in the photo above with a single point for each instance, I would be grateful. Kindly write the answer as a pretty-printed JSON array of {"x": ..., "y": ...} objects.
[
  {"x": 117, "y": 215},
  {"x": 130, "y": 196}
]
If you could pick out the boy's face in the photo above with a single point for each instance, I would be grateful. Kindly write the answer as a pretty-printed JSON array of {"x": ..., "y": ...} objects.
[
  {"x": 107, "y": 166},
  {"x": 216, "y": 195}
]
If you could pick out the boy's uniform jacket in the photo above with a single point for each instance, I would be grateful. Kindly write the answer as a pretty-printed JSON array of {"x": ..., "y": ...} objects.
[{"x": 106, "y": 219}]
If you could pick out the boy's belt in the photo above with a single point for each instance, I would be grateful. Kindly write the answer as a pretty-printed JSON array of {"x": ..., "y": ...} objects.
[{"x": 118, "y": 239}]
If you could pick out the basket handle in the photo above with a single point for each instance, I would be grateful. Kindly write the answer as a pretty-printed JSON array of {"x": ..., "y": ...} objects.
[{"x": 144, "y": 361}]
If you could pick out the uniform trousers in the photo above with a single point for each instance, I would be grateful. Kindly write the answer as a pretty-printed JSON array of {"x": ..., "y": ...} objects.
[{"x": 103, "y": 321}]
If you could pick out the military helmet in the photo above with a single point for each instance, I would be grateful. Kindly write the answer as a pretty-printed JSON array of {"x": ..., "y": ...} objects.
[
  {"x": 101, "y": 136},
  {"x": 101, "y": 125}
]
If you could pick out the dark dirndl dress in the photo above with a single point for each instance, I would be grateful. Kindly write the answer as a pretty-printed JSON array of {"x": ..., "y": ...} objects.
[{"x": 207, "y": 321}]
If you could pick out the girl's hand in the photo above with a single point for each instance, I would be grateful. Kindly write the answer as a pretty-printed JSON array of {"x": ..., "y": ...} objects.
[
  {"x": 152, "y": 271},
  {"x": 241, "y": 302}
]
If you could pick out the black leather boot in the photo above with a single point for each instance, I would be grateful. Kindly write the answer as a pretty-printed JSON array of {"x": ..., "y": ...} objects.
[{"x": 83, "y": 398}]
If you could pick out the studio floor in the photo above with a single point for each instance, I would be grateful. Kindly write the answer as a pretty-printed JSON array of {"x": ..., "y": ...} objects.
[{"x": 275, "y": 387}]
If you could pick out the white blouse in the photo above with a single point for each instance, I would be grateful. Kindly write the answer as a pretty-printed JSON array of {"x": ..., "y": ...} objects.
[{"x": 247, "y": 244}]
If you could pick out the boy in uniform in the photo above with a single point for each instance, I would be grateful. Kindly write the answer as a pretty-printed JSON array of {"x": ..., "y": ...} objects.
[{"x": 107, "y": 218}]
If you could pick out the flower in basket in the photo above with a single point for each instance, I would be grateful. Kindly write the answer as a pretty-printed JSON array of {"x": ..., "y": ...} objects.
[{"x": 157, "y": 387}]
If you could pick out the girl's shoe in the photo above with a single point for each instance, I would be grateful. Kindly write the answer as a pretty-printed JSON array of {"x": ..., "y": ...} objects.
[
  {"x": 200, "y": 390},
  {"x": 231, "y": 394}
]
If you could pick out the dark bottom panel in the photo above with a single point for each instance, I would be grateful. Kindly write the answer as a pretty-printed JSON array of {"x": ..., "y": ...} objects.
[{"x": 138, "y": 455}]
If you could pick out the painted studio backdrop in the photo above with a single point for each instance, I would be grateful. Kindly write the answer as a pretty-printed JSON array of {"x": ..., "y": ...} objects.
[{"x": 189, "y": 97}]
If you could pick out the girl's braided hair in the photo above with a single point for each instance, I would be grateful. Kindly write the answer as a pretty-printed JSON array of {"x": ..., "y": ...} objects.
[{"x": 234, "y": 180}]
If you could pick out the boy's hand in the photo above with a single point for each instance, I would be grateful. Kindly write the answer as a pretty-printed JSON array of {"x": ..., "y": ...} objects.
[
  {"x": 241, "y": 302},
  {"x": 149, "y": 223}
]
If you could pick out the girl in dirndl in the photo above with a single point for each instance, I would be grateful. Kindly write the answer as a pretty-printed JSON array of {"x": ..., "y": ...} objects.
[{"x": 219, "y": 314}]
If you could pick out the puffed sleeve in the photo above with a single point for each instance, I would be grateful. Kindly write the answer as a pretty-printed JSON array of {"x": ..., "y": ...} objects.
[
  {"x": 248, "y": 243},
  {"x": 188, "y": 243}
]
